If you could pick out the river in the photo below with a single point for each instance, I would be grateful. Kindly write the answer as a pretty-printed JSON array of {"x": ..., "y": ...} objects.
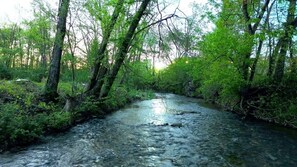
[{"x": 169, "y": 130}]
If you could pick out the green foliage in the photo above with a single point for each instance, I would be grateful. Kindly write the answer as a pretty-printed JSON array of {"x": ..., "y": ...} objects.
[
  {"x": 120, "y": 96},
  {"x": 81, "y": 75},
  {"x": 58, "y": 121},
  {"x": 117, "y": 98},
  {"x": 217, "y": 81},
  {"x": 134, "y": 94},
  {"x": 35, "y": 75},
  {"x": 9, "y": 89},
  {"x": 65, "y": 88},
  {"x": 227, "y": 45},
  {"x": 184, "y": 72},
  {"x": 222, "y": 83},
  {"x": 88, "y": 108},
  {"x": 23, "y": 119},
  {"x": 137, "y": 75},
  {"x": 5, "y": 73},
  {"x": 92, "y": 54},
  {"x": 17, "y": 128}
]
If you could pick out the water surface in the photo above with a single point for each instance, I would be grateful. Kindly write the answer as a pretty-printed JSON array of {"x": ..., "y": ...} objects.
[{"x": 168, "y": 131}]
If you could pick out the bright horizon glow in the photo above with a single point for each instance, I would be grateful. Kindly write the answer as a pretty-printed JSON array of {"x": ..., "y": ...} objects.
[{"x": 159, "y": 65}]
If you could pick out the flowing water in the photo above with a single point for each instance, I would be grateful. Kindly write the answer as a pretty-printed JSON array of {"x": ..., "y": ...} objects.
[{"x": 168, "y": 131}]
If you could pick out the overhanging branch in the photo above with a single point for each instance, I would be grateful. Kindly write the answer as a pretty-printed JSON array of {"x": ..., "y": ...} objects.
[{"x": 154, "y": 23}]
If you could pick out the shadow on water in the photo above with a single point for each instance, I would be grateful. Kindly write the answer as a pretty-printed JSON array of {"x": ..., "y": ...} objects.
[{"x": 169, "y": 131}]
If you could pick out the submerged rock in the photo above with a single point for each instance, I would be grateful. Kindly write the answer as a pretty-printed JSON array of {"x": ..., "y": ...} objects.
[{"x": 178, "y": 125}]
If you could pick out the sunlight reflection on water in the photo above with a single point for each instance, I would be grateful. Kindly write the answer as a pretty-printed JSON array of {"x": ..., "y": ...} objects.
[
  {"x": 159, "y": 110},
  {"x": 159, "y": 106}
]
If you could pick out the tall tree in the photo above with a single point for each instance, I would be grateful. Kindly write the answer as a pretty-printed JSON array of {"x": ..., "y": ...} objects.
[
  {"x": 261, "y": 41},
  {"x": 285, "y": 41},
  {"x": 123, "y": 49},
  {"x": 50, "y": 91},
  {"x": 9, "y": 40},
  {"x": 103, "y": 45},
  {"x": 251, "y": 30}
]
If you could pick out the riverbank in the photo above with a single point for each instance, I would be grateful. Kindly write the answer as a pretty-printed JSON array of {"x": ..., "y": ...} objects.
[{"x": 24, "y": 119}]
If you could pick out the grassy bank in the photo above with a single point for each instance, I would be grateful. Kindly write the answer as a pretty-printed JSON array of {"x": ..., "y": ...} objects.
[{"x": 25, "y": 119}]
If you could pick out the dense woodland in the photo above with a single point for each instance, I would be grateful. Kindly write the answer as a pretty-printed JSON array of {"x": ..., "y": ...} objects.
[{"x": 86, "y": 58}]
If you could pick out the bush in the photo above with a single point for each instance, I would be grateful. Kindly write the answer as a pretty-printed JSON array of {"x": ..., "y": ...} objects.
[
  {"x": 117, "y": 98},
  {"x": 17, "y": 128},
  {"x": 89, "y": 107},
  {"x": 58, "y": 121}
]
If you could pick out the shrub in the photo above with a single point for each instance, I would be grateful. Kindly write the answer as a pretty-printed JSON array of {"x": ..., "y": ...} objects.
[
  {"x": 17, "y": 128},
  {"x": 59, "y": 121}
]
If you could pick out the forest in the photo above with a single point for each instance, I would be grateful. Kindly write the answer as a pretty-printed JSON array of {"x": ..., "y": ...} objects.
[{"x": 85, "y": 58}]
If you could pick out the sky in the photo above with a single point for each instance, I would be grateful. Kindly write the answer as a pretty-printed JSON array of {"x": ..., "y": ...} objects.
[{"x": 16, "y": 10}]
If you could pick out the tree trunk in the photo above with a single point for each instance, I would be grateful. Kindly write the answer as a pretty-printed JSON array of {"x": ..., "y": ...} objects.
[
  {"x": 253, "y": 69},
  {"x": 123, "y": 49},
  {"x": 50, "y": 91},
  {"x": 280, "y": 64},
  {"x": 272, "y": 58},
  {"x": 21, "y": 55},
  {"x": 43, "y": 56},
  {"x": 290, "y": 26},
  {"x": 293, "y": 64},
  {"x": 99, "y": 82}
]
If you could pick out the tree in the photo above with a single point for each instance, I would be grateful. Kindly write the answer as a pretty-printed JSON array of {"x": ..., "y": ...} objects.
[
  {"x": 284, "y": 41},
  {"x": 50, "y": 91},
  {"x": 251, "y": 30},
  {"x": 123, "y": 49},
  {"x": 37, "y": 33},
  {"x": 103, "y": 45},
  {"x": 9, "y": 44}
]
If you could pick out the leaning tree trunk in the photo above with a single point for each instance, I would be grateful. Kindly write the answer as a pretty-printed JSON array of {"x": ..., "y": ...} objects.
[
  {"x": 123, "y": 49},
  {"x": 251, "y": 30},
  {"x": 258, "y": 52},
  {"x": 95, "y": 91},
  {"x": 50, "y": 91}
]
